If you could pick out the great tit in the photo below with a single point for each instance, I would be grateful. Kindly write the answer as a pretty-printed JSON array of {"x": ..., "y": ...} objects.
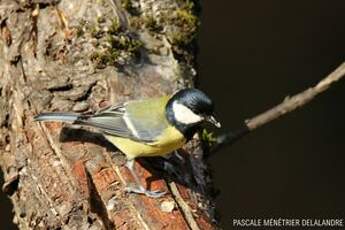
[{"x": 147, "y": 127}]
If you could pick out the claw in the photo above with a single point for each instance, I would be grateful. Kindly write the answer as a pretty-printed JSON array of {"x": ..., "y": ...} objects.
[
  {"x": 155, "y": 194},
  {"x": 141, "y": 190},
  {"x": 130, "y": 189}
]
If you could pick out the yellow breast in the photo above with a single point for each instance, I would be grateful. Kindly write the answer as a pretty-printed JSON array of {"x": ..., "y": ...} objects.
[{"x": 170, "y": 140}]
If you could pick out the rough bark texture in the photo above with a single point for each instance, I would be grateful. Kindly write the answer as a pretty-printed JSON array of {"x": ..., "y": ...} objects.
[{"x": 80, "y": 56}]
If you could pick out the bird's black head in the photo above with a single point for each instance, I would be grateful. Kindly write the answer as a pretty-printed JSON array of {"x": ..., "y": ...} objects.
[{"x": 188, "y": 108}]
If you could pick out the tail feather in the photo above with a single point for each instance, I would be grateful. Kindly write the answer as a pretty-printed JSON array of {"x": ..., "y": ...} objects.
[{"x": 63, "y": 117}]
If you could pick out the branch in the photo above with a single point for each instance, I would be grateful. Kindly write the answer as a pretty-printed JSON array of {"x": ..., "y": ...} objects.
[{"x": 288, "y": 105}]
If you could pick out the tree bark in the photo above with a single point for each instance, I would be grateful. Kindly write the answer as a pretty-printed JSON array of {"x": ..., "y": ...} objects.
[{"x": 81, "y": 56}]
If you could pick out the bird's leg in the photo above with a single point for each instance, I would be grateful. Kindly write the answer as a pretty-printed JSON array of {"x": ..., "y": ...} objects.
[
  {"x": 170, "y": 167},
  {"x": 178, "y": 155},
  {"x": 140, "y": 189}
]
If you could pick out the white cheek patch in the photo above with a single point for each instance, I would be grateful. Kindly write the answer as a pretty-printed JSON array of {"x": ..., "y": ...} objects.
[{"x": 184, "y": 115}]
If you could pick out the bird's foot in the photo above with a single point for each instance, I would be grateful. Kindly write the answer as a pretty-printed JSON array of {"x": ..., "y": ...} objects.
[{"x": 148, "y": 193}]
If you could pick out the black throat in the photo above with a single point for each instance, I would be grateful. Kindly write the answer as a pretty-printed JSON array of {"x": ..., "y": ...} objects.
[{"x": 188, "y": 130}]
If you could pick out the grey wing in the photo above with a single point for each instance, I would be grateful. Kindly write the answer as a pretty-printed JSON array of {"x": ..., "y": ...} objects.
[
  {"x": 116, "y": 121},
  {"x": 146, "y": 127}
]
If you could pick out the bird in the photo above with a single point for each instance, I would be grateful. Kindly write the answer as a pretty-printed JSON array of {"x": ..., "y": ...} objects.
[{"x": 146, "y": 127}]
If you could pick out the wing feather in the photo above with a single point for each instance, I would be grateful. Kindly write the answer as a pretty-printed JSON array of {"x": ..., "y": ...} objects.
[{"x": 136, "y": 120}]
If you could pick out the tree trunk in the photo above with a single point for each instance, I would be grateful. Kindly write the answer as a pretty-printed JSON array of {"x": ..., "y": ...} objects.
[{"x": 81, "y": 56}]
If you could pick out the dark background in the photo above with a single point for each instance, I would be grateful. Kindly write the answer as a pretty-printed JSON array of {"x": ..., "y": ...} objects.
[{"x": 253, "y": 54}]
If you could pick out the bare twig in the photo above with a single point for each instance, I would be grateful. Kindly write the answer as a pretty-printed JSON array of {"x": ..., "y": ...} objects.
[{"x": 288, "y": 105}]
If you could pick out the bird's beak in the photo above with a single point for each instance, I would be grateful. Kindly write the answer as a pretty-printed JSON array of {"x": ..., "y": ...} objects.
[{"x": 213, "y": 121}]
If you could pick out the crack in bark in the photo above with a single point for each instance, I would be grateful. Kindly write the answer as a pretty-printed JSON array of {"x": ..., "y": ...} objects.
[
  {"x": 61, "y": 88},
  {"x": 144, "y": 225},
  {"x": 97, "y": 206},
  {"x": 87, "y": 93},
  {"x": 11, "y": 185},
  {"x": 56, "y": 150}
]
